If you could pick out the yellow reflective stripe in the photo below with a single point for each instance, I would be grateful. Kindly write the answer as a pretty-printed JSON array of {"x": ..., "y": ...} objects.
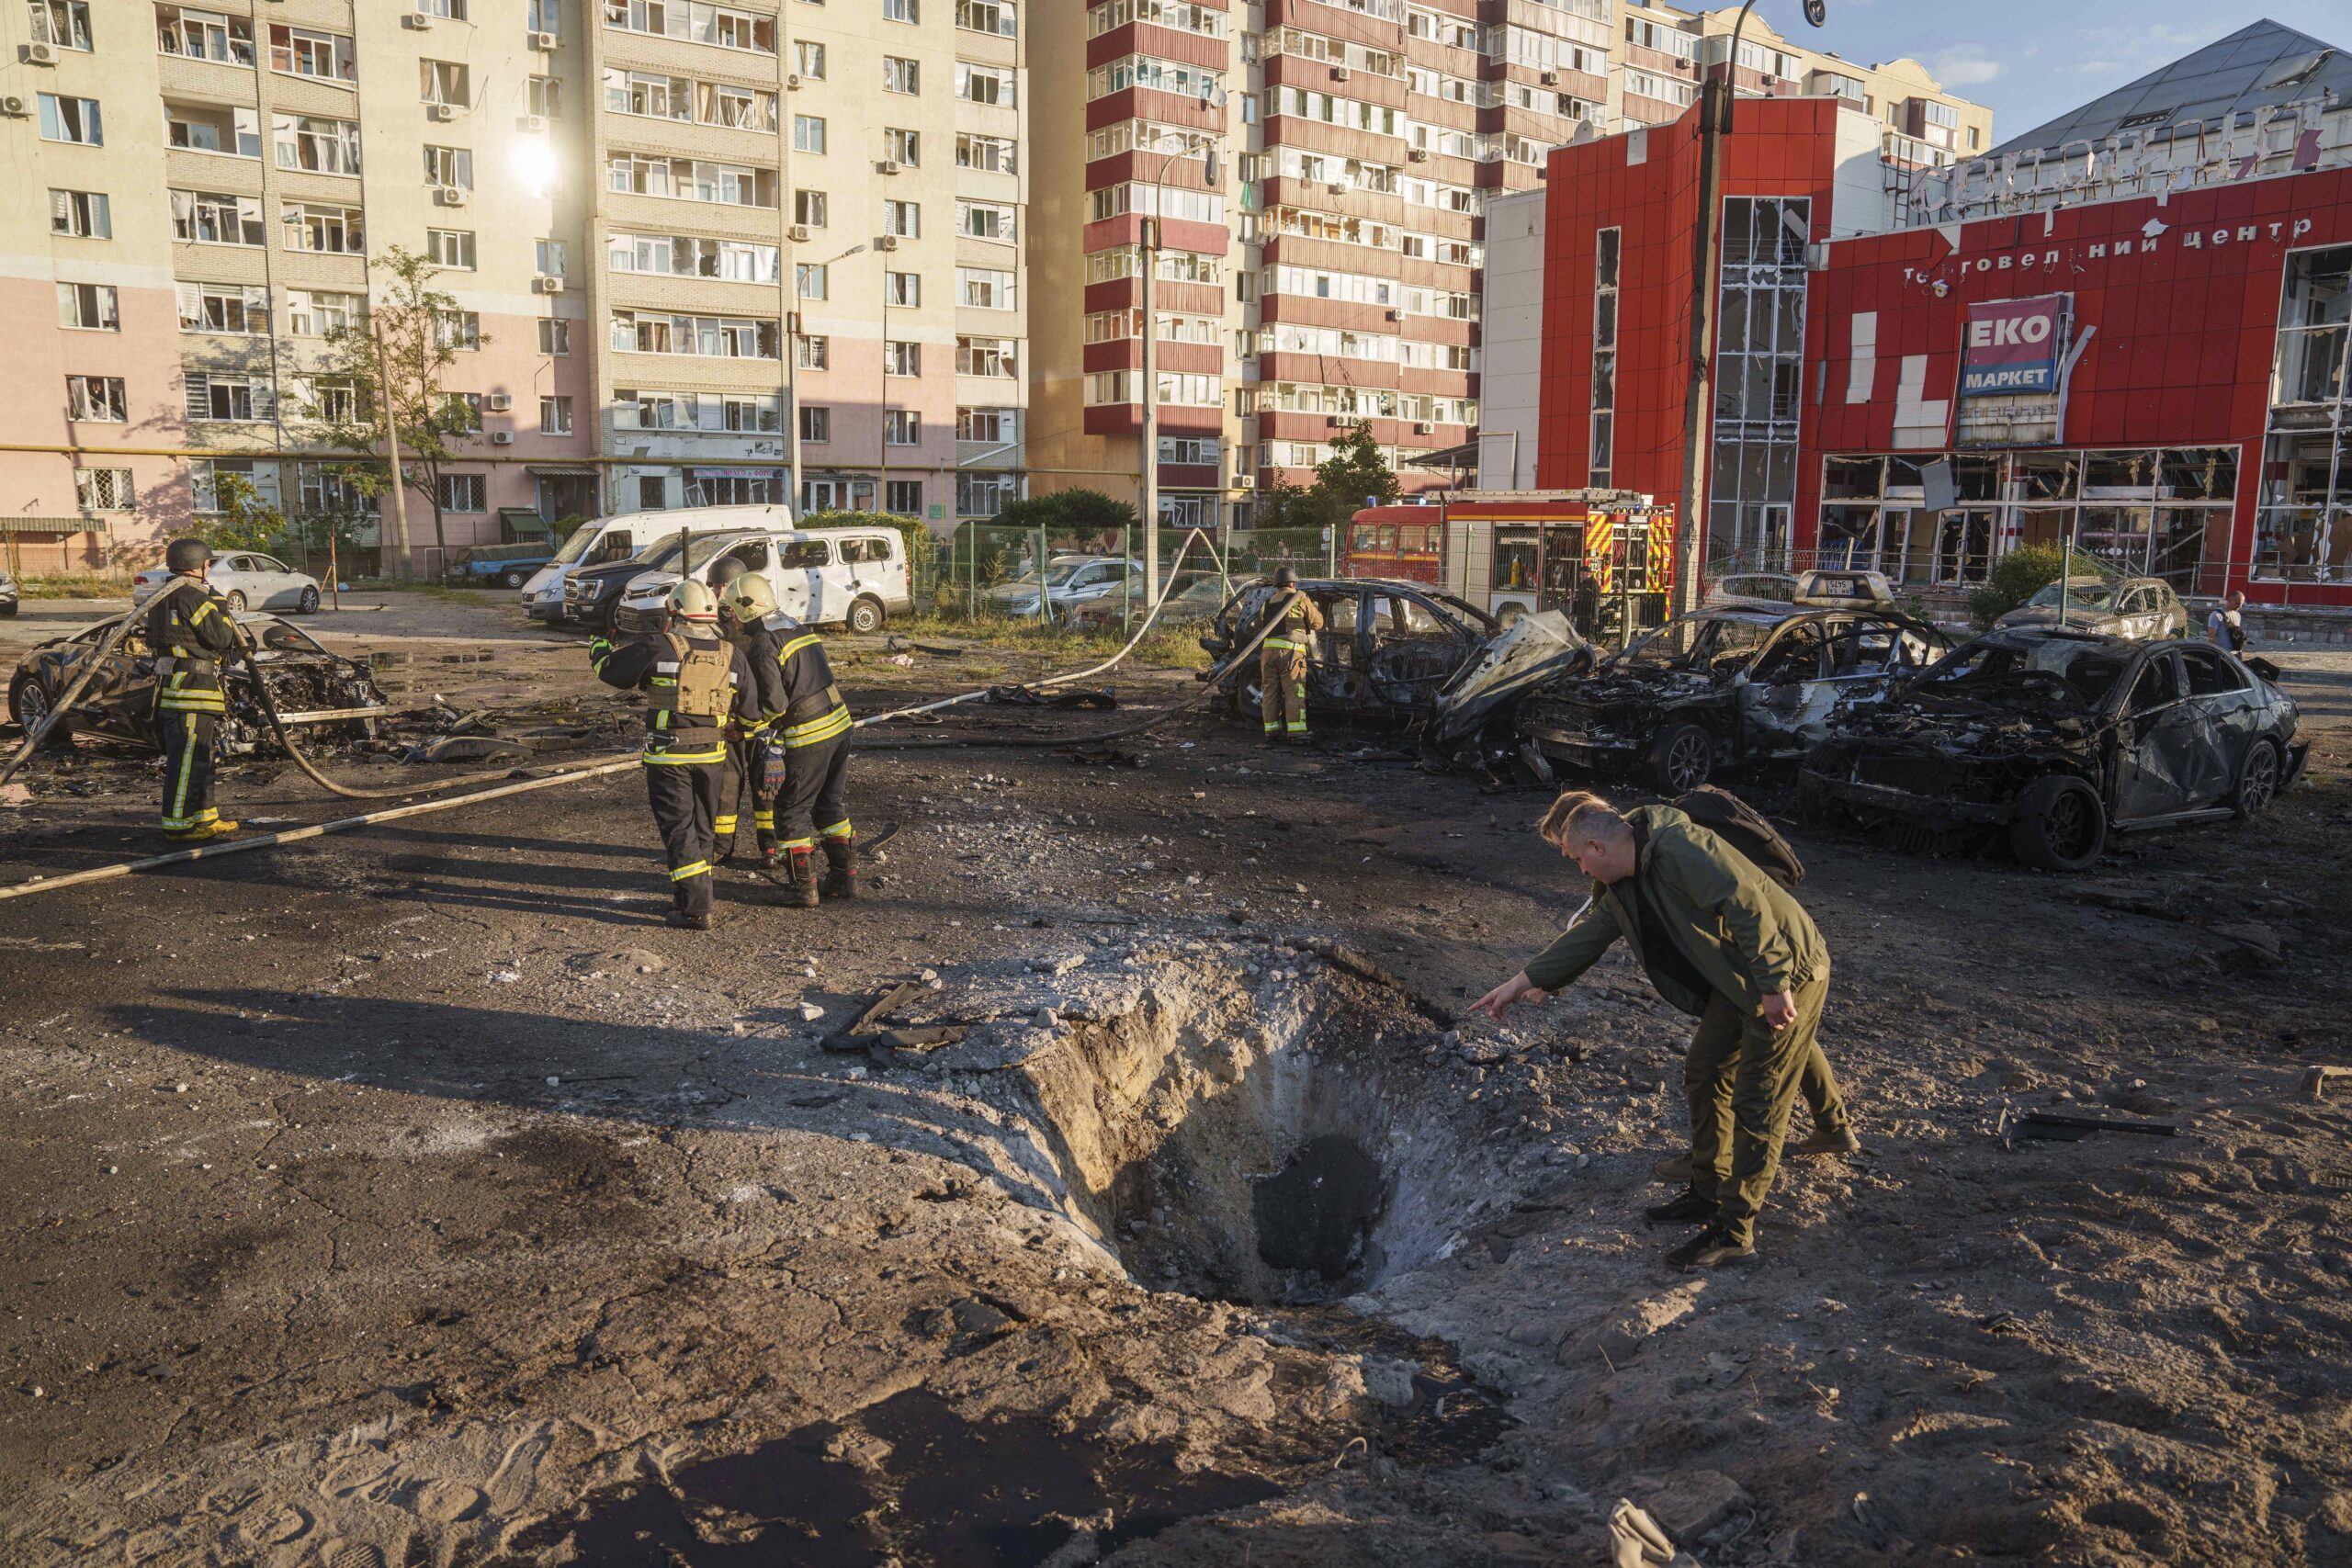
[
  {"x": 840, "y": 830},
  {"x": 1280, "y": 642},
  {"x": 201, "y": 611},
  {"x": 699, "y": 868},
  {"x": 800, "y": 843},
  {"x": 677, "y": 758},
  {"x": 818, "y": 729},
  {"x": 764, "y": 820},
  {"x": 722, "y": 824},
  {"x": 808, "y": 639}
]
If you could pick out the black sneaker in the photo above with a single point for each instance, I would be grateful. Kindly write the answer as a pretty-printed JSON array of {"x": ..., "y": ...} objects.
[
  {"x": 1691, "y": 1205},
  {"x": 1712, "y": 1248}
]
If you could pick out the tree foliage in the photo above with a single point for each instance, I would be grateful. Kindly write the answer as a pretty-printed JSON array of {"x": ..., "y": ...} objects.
[
  {"x": 1077, "y": 510},
  {"x": 404, "y": 388},
  {"x": 1354, "y": 476},
  {"x": 2015, "y": 577},
  {"x": 243, "y": 520}
]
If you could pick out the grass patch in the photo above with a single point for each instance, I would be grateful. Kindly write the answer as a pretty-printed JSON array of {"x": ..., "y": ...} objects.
[
  {"x": 1175, "y": 647},
  {"x": 75, "y": 585},
  {"x": 425, "y": 588}
]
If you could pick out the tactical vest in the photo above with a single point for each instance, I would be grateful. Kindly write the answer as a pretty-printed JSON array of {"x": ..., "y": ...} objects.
[{"x": 690, "y": 693}]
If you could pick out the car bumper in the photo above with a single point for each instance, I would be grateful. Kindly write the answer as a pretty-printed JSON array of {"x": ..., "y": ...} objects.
[
  {"x": 2298, "y": 754},
  {"x": 632, "y": 619},
  {"x": 1907, "y": 803},
  {"x": 1585, "y": 750}
]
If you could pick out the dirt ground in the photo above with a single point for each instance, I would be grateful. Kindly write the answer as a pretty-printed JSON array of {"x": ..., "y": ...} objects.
[{"x": 415, "y": 1196}]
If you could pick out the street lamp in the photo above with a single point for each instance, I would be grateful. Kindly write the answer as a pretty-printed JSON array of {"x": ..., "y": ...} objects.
[
  {"x": 792, "y": 373},
  {"x": 1715, "y": 96},
  {"x": 1205, "y": 142}
]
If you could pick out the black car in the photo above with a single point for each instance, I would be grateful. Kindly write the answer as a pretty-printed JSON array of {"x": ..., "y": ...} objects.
[
  {"x": 1737, "y": 683},
  {"x": 312, "y": 689},
  {"x": 2052, "y": 738},
  {"x": 1384, "y": 649}
]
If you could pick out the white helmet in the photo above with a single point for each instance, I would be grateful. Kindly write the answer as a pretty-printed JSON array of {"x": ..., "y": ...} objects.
[
  {"x": 691, "y": 601},
  {"x": 751, "y": 598}
]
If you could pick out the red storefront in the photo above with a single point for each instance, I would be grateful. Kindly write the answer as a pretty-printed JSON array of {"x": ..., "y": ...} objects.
[{"x": 1920, "y": 399}]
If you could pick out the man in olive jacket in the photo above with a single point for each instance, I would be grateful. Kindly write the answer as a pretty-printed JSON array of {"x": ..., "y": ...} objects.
[{"x": 1723, "y": 942}]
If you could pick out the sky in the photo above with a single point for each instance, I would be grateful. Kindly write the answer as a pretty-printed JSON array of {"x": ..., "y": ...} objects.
[{"x": 2033, "y": 60}]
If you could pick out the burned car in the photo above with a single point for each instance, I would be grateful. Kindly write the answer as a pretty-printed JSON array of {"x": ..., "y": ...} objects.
[
  {"x": 2142, "y": 607},
  {"x": 320, "y": 692},
  {"x": 2053, "y": 738},
  {"x": 1384, "y": 649},
  {"x": 1731, "y": 684}
]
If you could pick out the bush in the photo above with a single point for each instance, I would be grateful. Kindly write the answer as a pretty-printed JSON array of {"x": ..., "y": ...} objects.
[{"x": 2016, "y": 577}]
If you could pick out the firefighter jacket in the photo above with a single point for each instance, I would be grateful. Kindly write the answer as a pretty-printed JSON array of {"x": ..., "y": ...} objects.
[
  {"x": 695, "y": 684},
  {"x": 191, "y": 634},
  {"x": 813, "y": 709},
  {"x": 1296, "y": 620}
]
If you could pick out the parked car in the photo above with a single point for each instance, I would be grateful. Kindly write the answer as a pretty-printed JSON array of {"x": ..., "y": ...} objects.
[
  {"x": 853, "y": 577},
  {"x": 604, "y": 541},
  {"x": 313, "y": 689},
  {"x": 508, "y": 566},
  {"x": 1754, "y": 588},
  {"x": 2051, "y": 738},
  {"x": 1386, "y": 648},
  {"x": 8, "y": 593},
  {"x": 1195, "y": 596},
  {"x": 248, "y": 579},
  {"x": 2144, "y": 608},
  {"x": 1071, "y": 581},
  {"x": 1731, "y": 685}
]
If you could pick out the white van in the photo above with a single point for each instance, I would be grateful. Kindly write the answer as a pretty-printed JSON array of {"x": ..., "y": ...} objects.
[
  {"x": 853, "y": 577},
  {"x": 602, "y": 539}
]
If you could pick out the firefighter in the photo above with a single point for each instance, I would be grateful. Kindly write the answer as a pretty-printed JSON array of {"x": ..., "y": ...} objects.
[
  {"x": 745, "y": 603},
  {"x": 697, "y": 685},
  {"x": 811, "y": 741},
  {"x": 1281, "y": 658},
  {"x": 190, "y": 627},
  {"x": 742, "y": 779}
]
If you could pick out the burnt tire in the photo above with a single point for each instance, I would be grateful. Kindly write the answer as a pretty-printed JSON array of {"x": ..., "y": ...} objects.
[
  {"x": 2060, "y": 825},
  {"x": 866, "y": 616},
  {"x": 1681, "y": 758},
  {"x": 29, "y": 702},
  {"x": 2259, "y": 778}
]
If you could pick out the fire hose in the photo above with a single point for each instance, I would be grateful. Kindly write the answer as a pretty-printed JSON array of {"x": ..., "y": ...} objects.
[{"x": 562, "y": 773}]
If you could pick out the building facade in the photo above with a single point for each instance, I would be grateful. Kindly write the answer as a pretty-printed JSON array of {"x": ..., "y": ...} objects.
[
  {"x": 659, "y": 219},
  {"x": 2126, "y": 332}
]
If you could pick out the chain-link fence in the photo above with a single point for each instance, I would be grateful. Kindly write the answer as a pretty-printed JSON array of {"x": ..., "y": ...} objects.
[{"x": 1094, "y": 578}]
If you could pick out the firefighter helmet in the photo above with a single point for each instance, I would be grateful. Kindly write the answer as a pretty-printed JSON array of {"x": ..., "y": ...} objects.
[
  {"x": 690, "y": 601},
  {"x": 751, "y": 598}
]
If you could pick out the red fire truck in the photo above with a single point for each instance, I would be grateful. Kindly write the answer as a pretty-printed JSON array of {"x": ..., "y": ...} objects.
[{"x": 1608, "y": 561}]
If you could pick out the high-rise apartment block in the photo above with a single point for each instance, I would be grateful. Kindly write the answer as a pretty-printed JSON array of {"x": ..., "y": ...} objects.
[{"x": 657, "y": 218}]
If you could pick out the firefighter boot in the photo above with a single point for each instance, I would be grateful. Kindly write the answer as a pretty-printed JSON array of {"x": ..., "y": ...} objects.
[
  {"x": 841, "y": 867},
  {"x": 801, "y": 886}
]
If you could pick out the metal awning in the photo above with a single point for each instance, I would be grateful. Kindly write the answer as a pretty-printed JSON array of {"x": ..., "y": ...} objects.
[
  {"x": 523, "y": 521},
  {"x": 1463, "y": 457},
  {"x": 561, "y": 470}
]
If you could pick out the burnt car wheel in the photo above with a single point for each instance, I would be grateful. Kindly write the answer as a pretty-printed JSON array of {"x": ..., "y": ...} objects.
[
  {"x": 2257, "y": 781},
  {"x": 1682, "y": 758},
  {"x": 2059, "y": 826},
  {"x": 31, "y": 701}
]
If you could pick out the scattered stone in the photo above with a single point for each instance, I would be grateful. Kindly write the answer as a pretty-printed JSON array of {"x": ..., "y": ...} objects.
[
  {"x": 811, "y": 1012},
  {"x": 1693, "y": 1502}
]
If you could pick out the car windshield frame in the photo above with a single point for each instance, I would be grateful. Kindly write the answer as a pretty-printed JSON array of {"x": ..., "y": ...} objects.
[
  {"x": 2079, "y": 596},
  {"x": 1638, "y": 657},
  {"x": 2041, "y": 665}
]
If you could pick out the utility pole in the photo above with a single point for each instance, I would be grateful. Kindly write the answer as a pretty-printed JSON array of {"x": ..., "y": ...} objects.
[
  {"x": 392, "y": 444},
  {"x": 1716, "y": 97}
]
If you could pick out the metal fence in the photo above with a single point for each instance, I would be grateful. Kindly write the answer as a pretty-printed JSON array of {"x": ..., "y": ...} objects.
[{"x": 1090, "y": 580}]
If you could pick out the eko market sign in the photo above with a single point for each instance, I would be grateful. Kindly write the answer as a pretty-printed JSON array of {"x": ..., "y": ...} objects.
[{"x": 2014, "y": 345}]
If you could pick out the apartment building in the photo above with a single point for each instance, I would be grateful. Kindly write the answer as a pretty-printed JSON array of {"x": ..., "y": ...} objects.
[
  {"x": 1667, "y": 51},
  {"x": 659, "y": 218},
  {"x": 1332, "y": 271}
]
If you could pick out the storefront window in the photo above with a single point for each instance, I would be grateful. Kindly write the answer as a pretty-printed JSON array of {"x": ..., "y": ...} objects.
[
  {"x": 1759, "y": 380},
  {"x": 2304, "y": 523}
]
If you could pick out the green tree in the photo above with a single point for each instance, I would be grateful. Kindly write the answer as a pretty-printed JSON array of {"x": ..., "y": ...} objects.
[
  {"x": 1355, "y": 474},
  {"x": 396, "y": 360},
  {"x": 1077, "y": 510},
  {"x": 2015, "y": 577},
  {"x": 243, "y": 520}
]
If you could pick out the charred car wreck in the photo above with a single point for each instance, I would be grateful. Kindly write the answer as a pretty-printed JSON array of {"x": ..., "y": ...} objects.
[
  {"x": 322, "y": 694},
  {"x": 1734, "y": 683},
  {"x": 2051, "y": 738},
  {"x": 1385, "y": 651}
]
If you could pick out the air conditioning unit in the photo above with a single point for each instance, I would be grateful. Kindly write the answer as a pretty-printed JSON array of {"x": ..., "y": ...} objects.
[
  {"x": 547, "y": 283},
  {"x": 1549, "y": 78},
  {"x": 1337, "y": 189},
  {"x": 452, "y": 196},
  {"x": 1245, "y": 481},
  {"x": 41, "y": 55},
  {"x": 1416, "y": 154},
  {"x": 498, "y": 402},
  {"x": 886, "y": 241},
  {"x": 1338, "y": 73},
  {"x": 1394, "y": 315},
  {"x": 792, "y": 81},
  {"x": 798, "y": 233},
  {"x": 417, "y": 20},
  {"x": 887, "y": 166},
  {"x": 16, "y": 106},
  {"x": 545, "y": 42},
  {"x": 1336, "y": 421},
  {"x": 502, "y": 438},
  {"x": 440, "y": 112},
  {"x": 532, "y": 124},
  {"x": 1423, "y": 427}
]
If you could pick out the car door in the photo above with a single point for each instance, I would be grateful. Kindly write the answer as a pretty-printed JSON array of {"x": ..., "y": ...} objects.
[
  {"x": 1787, "y": 690},
  {"x": 2232, "y": 717},
  {"x": 2160, "y": 743},
  {"x": 800, "y": 578},
  {"x": 277, "y": 582}
]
